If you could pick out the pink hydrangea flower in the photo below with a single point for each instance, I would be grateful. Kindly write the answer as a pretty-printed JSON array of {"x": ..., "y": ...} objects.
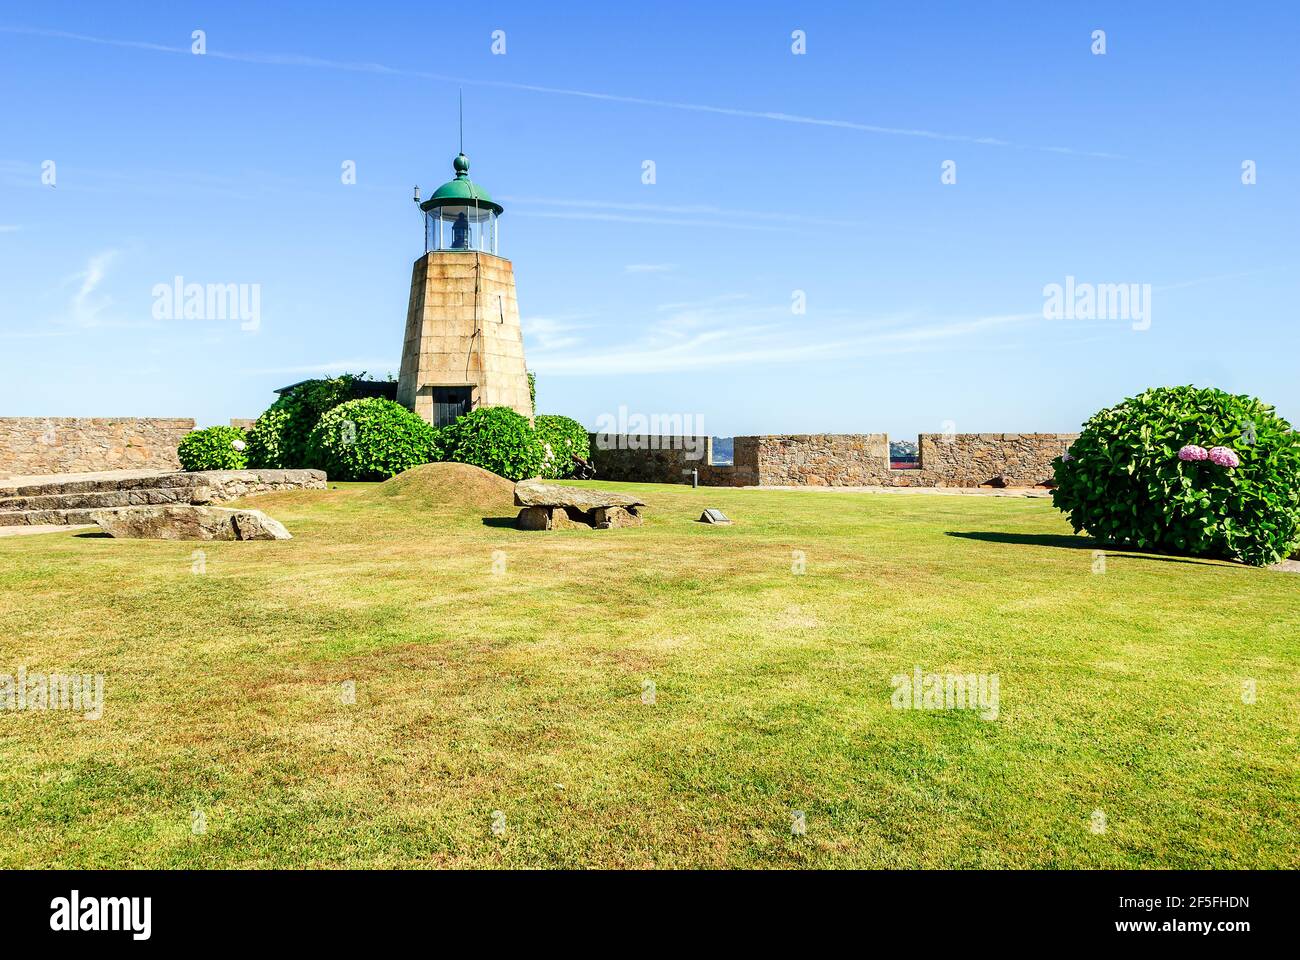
[
  {"x": 1193, "y": 453},
  {"x": 1224, "y": 457}
]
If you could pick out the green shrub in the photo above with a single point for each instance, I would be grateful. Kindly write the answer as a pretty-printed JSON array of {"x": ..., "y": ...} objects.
[
  {"x": 213, "y": 448},
  {"x": 1122, "y": 480},
  {"x": 266, "y": 439},
  {"x": 370, "y": 439},
  {"x": 562, "y": 438},
  {"x": 279, "y": 438},
  {"x": 496, "y": 439}
]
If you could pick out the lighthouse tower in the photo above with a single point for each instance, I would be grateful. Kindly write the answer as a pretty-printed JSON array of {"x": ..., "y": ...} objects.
[{"x": 463, "y": 348}]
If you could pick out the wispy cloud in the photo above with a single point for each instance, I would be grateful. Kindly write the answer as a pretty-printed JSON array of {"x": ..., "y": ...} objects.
[
  {"x": 371, "y": 367},
  {"x": 86, "y": 306},
  {"x": 9, "y": 228},
  {"x": 297, "y": 60},
  {"x": 734, "y": 330},
  {"x": 689, "y": 209},
  {"x": 553, "y": 333},
  {"x": 665, "y": 221},
  {"x": 250, "y": 185}
]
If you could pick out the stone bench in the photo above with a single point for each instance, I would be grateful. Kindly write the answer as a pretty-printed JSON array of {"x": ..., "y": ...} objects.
[{"x": 547, "y": 506}]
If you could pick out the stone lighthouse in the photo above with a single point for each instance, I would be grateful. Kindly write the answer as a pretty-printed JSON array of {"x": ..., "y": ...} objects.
[{"x": 463, "y": 348}]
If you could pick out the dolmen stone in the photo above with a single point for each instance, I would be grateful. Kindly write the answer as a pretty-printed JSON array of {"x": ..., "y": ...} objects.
[
  {"x": 547, "y": 506},
  {"x": 187, "y": 522}
]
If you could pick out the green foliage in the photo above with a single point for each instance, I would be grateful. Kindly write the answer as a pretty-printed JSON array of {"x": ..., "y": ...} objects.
[
  {"x": 370, "y": 439},
  {"x": 532, "y": 391},
  {"x": 562, "y": 438},
  {"x": 1123, "y": 481},
  {"x": 279, "y": 438},
  {"x": 496, "y": 439},
  {"x": 213, "y": 448},
  {"x": 266, "y": 438}
]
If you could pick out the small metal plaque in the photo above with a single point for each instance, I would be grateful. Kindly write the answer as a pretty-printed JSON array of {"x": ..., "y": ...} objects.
[{"x": 713, "y": 516}]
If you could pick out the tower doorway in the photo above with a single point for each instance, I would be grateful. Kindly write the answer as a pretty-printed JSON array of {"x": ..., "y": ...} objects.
[{"x": 449, "y": 403}]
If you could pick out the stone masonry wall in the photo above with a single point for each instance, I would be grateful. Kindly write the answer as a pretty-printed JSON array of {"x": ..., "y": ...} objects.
[
  {"x": 43, "y": 445},
  {"x": 970, "y": 459},
  {"x": 646, "y": 459},
  {"x": 835, "y": 460},
  {"x": 955, "y": 460}
]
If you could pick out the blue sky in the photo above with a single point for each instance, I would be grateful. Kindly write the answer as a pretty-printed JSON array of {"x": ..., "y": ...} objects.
[{"x": 775, "y": 173}]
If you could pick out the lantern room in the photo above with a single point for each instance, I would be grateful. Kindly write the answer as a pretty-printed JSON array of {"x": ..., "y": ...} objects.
[{"x": 460, "y": 215}]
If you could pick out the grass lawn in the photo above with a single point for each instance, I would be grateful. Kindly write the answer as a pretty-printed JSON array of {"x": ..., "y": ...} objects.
[{"x": 522, "y": 692}]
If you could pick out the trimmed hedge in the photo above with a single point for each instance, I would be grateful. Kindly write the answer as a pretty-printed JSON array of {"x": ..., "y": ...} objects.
[
  {"x": 1124, "y": 480},
  {"x": 370, "y": 439},
  {"x": 213, "y": 448},
  {"x": 562, "y": 438},
  {"x": 496, "y": 439}
]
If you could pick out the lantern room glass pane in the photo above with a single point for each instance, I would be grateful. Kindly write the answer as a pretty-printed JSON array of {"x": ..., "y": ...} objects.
[{"x": 461, "y": 227}]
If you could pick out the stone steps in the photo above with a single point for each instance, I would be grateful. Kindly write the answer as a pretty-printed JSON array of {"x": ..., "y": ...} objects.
[
  {"x": 73, "y": 501},
  {"x": 98, "y": 498},
  {"x": 55, "y": 486},
  {"x": 43, "y": 518}
]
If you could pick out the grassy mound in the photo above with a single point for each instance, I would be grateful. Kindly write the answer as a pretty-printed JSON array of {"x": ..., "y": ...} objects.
[{"x": 457, "y": 485}]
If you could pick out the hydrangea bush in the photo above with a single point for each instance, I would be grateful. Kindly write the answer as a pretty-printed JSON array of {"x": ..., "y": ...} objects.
[
  {"x": 213, "y": 448},
  {"x": 1186, "y": 469},
  {"x": 279, "y": 438},
  {"x": 266, "y": 439},
  {"x": 562, "y": 439},
  {"x": 371, "y": 439},
  {"x": 494, "y": 438}
]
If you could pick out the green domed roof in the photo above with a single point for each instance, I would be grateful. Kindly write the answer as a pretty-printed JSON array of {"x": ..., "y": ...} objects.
[{"x": 462, "y": 191}]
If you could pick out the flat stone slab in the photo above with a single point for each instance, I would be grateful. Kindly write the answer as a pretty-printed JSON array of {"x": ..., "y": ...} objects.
[
  {"x": 547, "y": 506},
  {"x": 188, "y": 523},
  {"x": 39, "y": 479},
  {"x": 221, "y": 484},
  {"x": 535, "y": 493}
]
